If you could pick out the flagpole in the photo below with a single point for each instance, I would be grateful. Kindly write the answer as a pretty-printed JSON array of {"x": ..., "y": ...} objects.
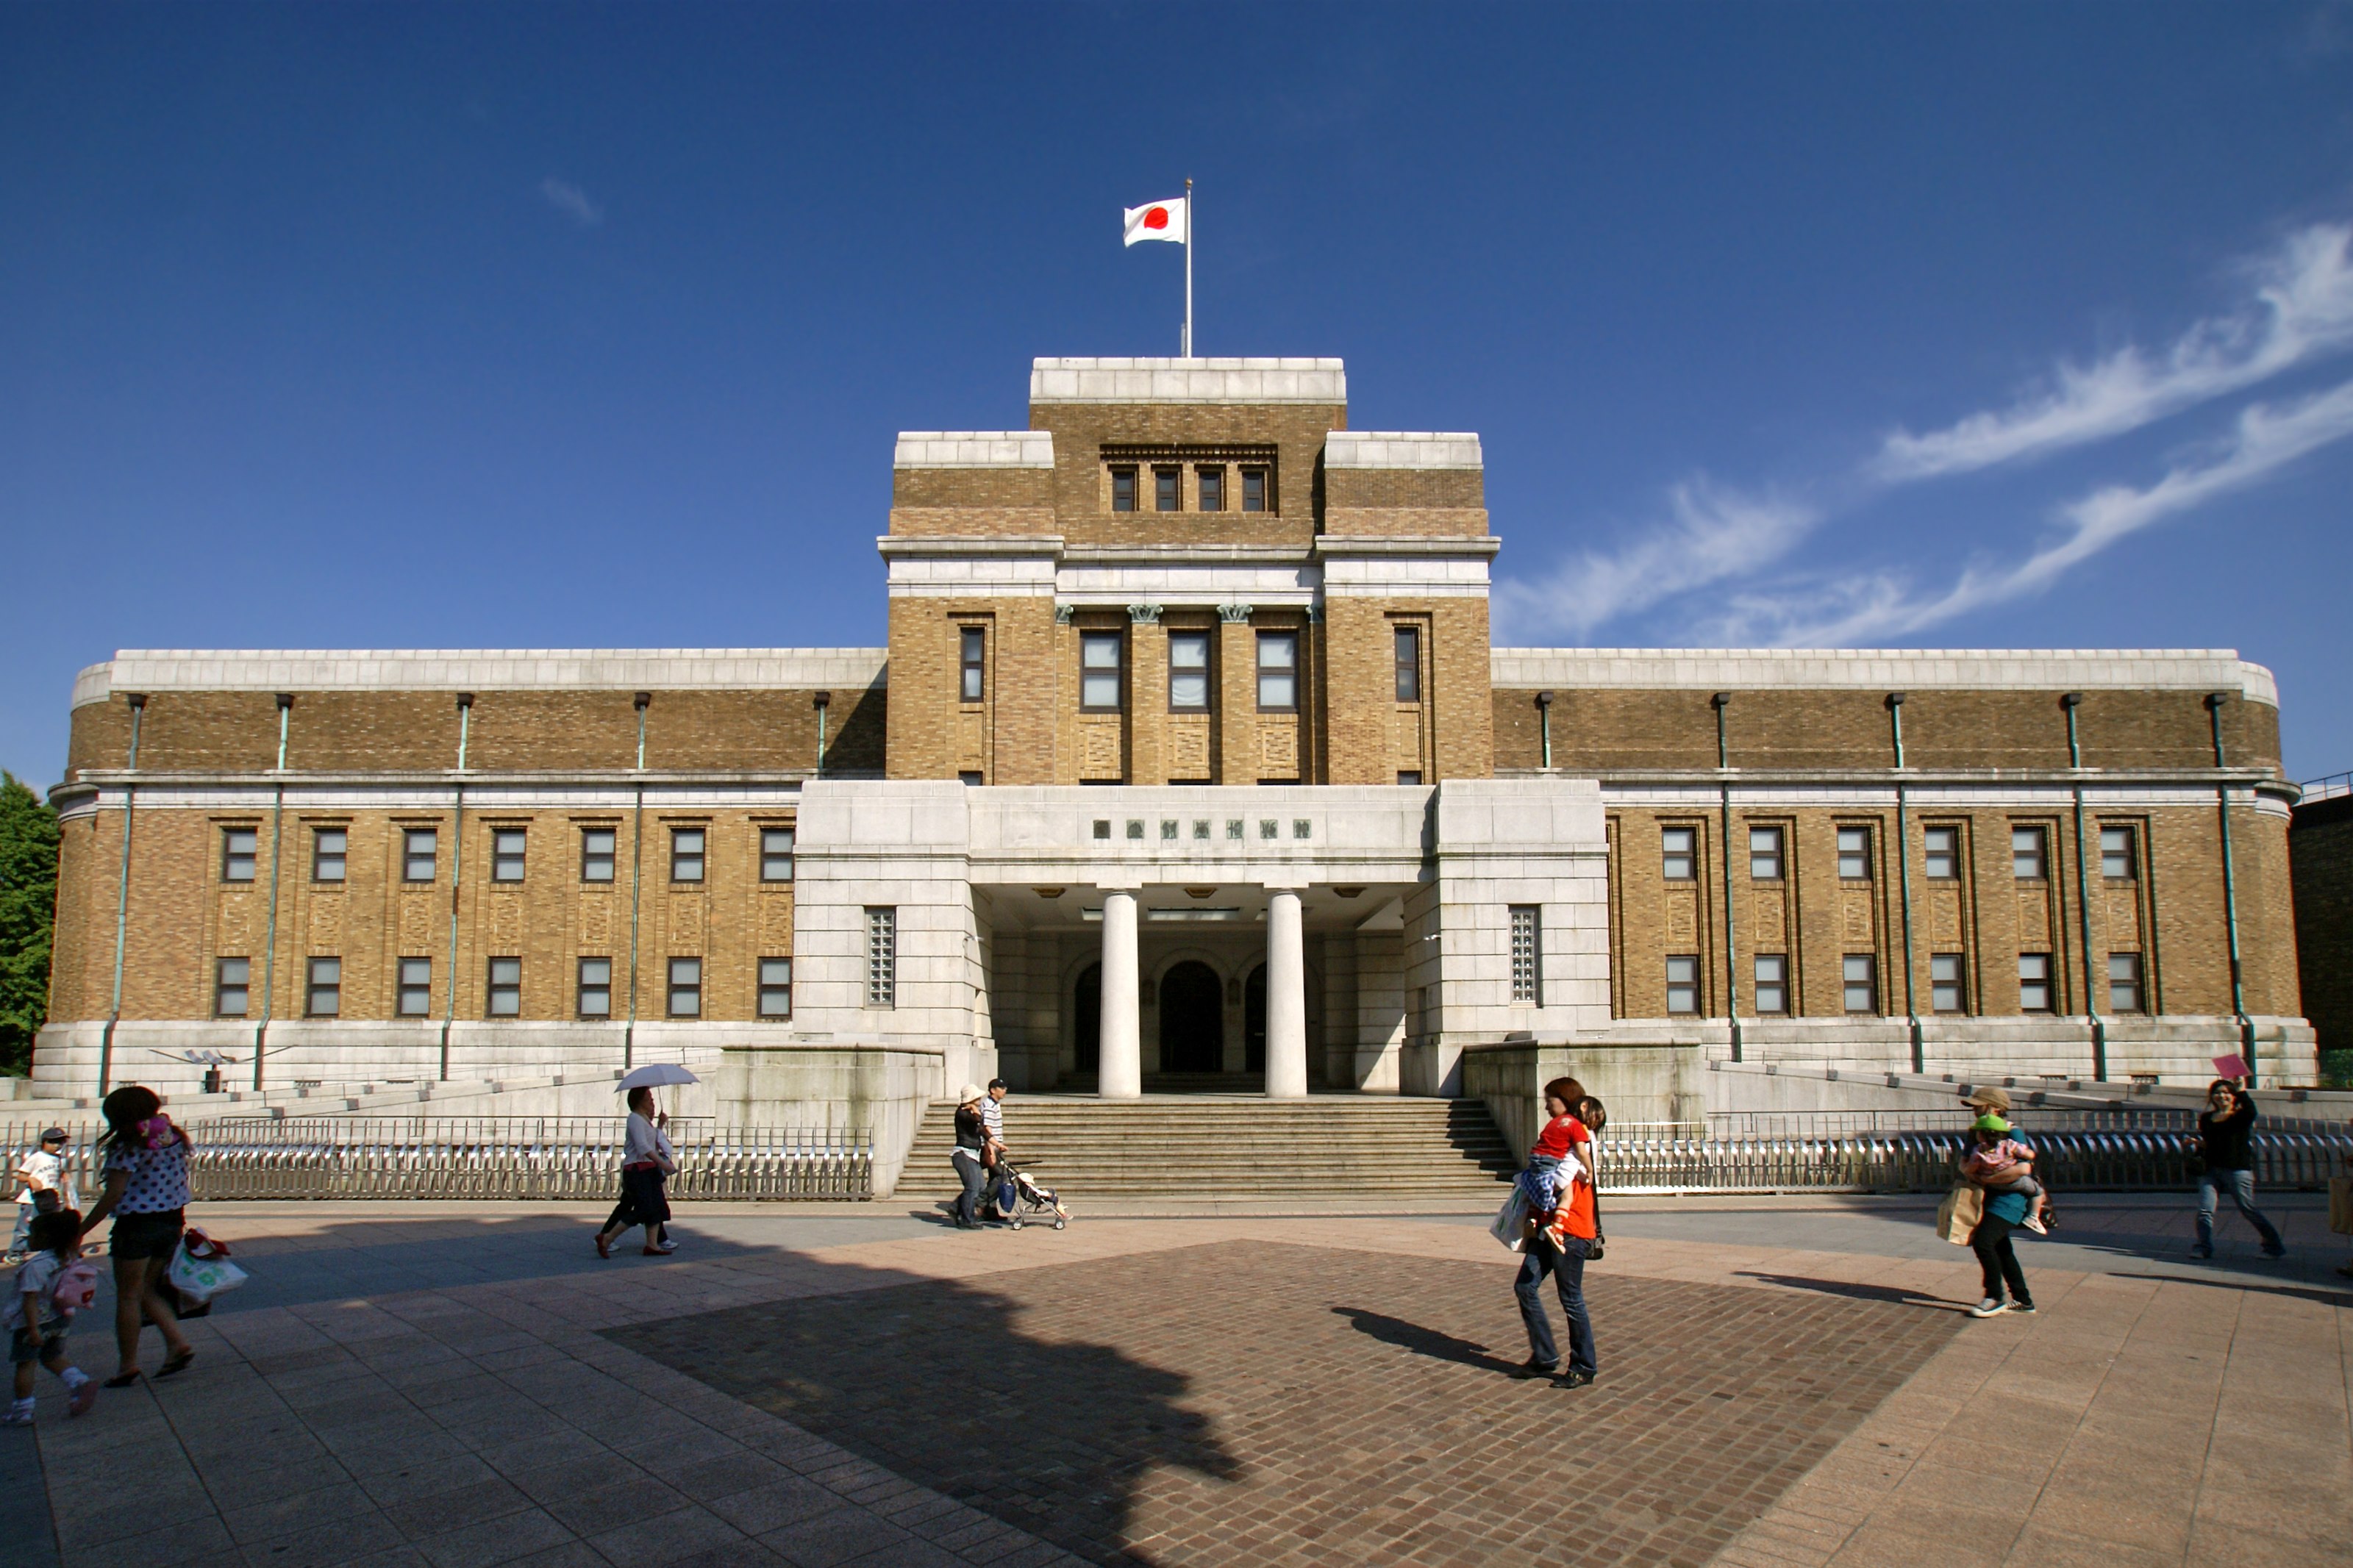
[{"x": 1188, "y": 268}]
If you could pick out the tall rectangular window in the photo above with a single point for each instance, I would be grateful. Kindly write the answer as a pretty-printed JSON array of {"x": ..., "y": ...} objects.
[
  {"x": 1948, "y": 991},
  {"x": 2117, "y": 862},
  {"x": 2124, "y": 984},
  {"x": 1683, "y": 983},
  {"x": 323, "y": 989},
  {"x": 1679, "y": 853},
  {"x": 1860, "y": 972},
  {"x": 1527, "y": 954},
  {"x": 505, "y": 995},
  {"x": 972, "y": 663},
  {"x": 686, "y": 854},
  {"x": 1278, "y": 672},
  {"x": 1943, "y": 858},
  {"x": 882, "y": 958},
  {"x": 775, "y": 854},
  {"x": 2029, "y": 860},
  {"x": 1122, "y": 490},
  {"x": 2034, "y": 992},
  {"x": 1253, "y": 489},
  {"x": 1765, "y": 854},
  {"x": 1211, "y": 477},
  {"x": 1099, "y": 660},
  {"x": 506, "y": 855},
  {"x": 597, "y": 853},
  {"x": 594, "y": 997},
  {"x": 1854, "y": 854},
  {"x": 1189, "y": 672},
  {"x": 686, "y": 988},
  {"x": 775, "y": 988},
  {"x": 1408, "y": 664},
  {"x": 414, "y": 997},
  {"x": 1772, "y": 983},
  {"x": 1168, "y": 488},
  {"x": 419, "y": 848},
  {"x": 240, "y": 848},
  {"x": 328, "y": 847},
  {"x": 232, "y": 987}
]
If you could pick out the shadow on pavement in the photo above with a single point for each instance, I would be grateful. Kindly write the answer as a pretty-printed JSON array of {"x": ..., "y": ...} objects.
[
  {"x": 1424, "y": 1341},
  {"x": 1894, "y": 1295},
  {"x": 2321, "y": 1293}
]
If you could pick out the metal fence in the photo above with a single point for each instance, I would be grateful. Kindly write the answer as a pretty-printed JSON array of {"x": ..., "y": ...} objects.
[{"x": 508, "y": 1157}]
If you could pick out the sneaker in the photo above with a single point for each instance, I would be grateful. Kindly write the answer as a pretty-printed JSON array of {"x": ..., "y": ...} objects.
[
  {"x": 18, "y": 1415},
  {"x": 2025, "y": 1306},
  {"x": 2201, "y": 1252},
  {"x": 1989, "y": 1308},
  {"x": 1574, "y": 1379},
  {"x": 664, "y": 1246},
  {"x": 84, "y": 1395},
  {"x": 1534, "y": 1368},
  {"x": 2037, "y": 1227},
  {"x": 2276, "y": 1253}
]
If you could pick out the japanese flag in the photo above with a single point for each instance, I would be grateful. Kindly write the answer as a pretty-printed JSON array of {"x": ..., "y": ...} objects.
[{"x": 1158, "y": 220}]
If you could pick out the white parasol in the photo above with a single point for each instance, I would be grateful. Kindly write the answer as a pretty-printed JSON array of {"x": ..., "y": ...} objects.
[{"x": 655, "y": 1074}]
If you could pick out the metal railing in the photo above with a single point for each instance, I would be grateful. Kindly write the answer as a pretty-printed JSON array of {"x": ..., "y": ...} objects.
[
  {"x": 512, "y": 1157},
  {"x": 2326, "y": 788}
]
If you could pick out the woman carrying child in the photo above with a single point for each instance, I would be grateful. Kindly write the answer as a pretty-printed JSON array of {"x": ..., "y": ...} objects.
[
  {"x": 143, "y": 1160},
  {"x": 36, "y": 1324},
  {"x": 2006, "y": 1207},
  {"x": 2001, "y": 1163},
  {"x": 1559, "y": 1183}
]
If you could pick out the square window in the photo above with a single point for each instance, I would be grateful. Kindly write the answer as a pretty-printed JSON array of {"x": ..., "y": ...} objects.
[
  {"x": 2034, "y": 993},
  {"x": 775, "y": 854},
  {"x": 1683, "y": 983},
  {"x": 327, "y": 854},
  {"x": 1943, "y": 845},
  {"x": 1861, "y": 974},
  {"x": 1099, "y": 671},
  {"x": 1301, "y": 827},
  {"x": 323, "y": 993},
  {"x": 232, "y": 987},
  {"x": 1189, "y": 672},
  {"x": 1948, "y": 991},
  {"x": 1167, "y": 489},
  {"x": 594, "y": 993},
  {"x": 1167, "y": 830},
  {"x": 882, "y": 958},
  {"x": 686, "y": 854},
  {"x": 597, "y": 853},
  {"x": 506, "y": 855},
  {"x": 2124, "y": 982},
  {"x": 1772, "y": 973},
  {"x": 1679, "y": 853},
  {"x": 970, "y": 777},
  {"x": 686, "y": 988},
  {"x": 418, "y": 847},
  {"x": 1854, "y": 854},
  {"x": 1201, "y": 827},
  {"x": 1408, "y": 664},
  {"x": 1253, "y": 489},
  {"x": 1278, "y": 672},
  {"x": 1765, "y": 854},
  {"x": 1527, "y": 955},
  {"x": 1211, "y": 478},
  {"x": 1409, "y": 775},
  {"x": 972, "y": 663},
  {"x": 1269, "y": 829},
  {"x": 506, "y": 988},
  {"x": 1233, "y": 827},
  {"x": 240, "y": 848},
  {"x": 415, "y": 997},
  {"x": 2117, "y": 862},
  {"x": 1102, "y": 828},
  {"x": 775, "y": 988},
  {"x": 1135, "y": 829},
  {"x": 1122, "y": 490},
  {"x": 2029, "y": 860}
]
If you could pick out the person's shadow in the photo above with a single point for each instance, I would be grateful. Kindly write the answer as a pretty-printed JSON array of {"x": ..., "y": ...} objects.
[{"x": 1423, "y": 1340}]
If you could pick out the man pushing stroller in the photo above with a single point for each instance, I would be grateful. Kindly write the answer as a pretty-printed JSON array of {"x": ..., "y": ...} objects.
[{"x": 1013, "y": 1194}]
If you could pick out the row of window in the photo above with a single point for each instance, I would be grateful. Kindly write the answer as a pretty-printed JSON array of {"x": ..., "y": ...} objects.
[
  {"x": 322, "y": 988},
  {"x": 1947, "y": 988},
  {"x": 2030, "y": 854},
  {"x": 1211, "y": 486},
  {"x": 1102, "y": 656},
  {"x": 420, "y": 854}
]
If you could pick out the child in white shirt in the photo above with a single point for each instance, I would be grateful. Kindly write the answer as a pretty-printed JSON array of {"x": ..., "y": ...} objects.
[
  {"x": 42, "y": 1187},
  {"x": 36, "y": 1328}
]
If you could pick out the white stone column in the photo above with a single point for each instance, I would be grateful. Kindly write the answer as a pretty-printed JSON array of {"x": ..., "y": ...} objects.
[
  {"x": 1286, "y": 998},
  {"x": 1120, "y": 1068}
]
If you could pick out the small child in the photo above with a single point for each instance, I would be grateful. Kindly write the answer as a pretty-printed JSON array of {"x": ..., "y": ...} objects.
[
  {"x": 37, "y": 1329},
  {"x": 42, "y": 1187},
  {"x": 1553, "y": 1167},
  {"x": 2001, "y": 1163}
]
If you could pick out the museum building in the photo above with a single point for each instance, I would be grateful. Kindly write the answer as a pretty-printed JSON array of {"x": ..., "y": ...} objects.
[{"x": 1190, "y": 763}]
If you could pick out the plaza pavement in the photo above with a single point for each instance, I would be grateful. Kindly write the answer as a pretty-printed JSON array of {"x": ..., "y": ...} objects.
[{"x": 1784, "y": 1382}]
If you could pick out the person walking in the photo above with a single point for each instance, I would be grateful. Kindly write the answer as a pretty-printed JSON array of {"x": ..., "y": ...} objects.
[
  {"x": 2005, "y": 1210},
  {"x": 2226, "y": 1144},
  {"x": 1563, "y": 1240},
  {"x": 46, "y": 1189},
  {"x": 144, "y": 1164},
  {"x": 646, "y": 1161},
  {"x": 971, "y": 1147}
]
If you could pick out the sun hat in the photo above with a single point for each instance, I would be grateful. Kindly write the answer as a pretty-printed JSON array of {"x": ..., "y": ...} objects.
[
  {"x": 1990, "y": 1122},
  {"x": 1989, "y": 1097},
  {"x": 54, "y": 1135},
  {"x": 970, "y": 1093}
]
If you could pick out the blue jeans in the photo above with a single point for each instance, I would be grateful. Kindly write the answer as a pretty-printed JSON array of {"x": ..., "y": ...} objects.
[
  {"x": 967, "y": 1166},
  {"x": 2241, "y": 1185},
  {"x": 1567, "y": 1269}
]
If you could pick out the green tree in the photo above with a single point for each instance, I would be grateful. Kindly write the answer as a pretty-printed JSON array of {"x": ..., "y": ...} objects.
[{"x": 28, "y": 907}]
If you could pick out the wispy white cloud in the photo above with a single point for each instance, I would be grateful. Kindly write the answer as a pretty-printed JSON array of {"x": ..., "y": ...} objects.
[
  {"x": 572, "y": 201},
  {"x": 1712, "y": 534},
  {"x": 1849, "y": 609},
  {"x": 2302, "y": 308}
]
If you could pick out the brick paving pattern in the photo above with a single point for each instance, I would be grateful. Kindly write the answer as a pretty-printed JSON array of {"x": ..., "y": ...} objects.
[{"x": 1273, "y": 1402}]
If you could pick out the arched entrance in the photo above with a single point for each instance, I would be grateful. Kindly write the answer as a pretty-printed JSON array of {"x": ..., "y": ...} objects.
[
  {"x": 1192, "y": 1019},
  {"x": 1087, "y": 1009},
  {"x": 1254, "y": 1021}
]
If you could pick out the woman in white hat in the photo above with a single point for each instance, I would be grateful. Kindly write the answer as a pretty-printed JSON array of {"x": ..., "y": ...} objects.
[{"x": 971, "y": 1138}]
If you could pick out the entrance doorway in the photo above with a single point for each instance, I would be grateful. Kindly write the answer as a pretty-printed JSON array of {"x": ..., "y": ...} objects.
[
  {"x": 1192, "y": 1019},
  {"x": 1087, "y": 1006}
]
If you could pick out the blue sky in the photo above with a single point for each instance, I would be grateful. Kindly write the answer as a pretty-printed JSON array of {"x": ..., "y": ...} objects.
[{"x": 562, "y": 325}]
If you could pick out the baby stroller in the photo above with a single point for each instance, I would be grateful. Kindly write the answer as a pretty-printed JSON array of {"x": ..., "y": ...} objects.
[{"x": 1019, "y": 1198}]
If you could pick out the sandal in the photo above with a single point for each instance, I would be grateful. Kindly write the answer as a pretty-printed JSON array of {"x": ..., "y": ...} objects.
[
  {"x": 603, "y": 1248},
  {"x": 123, "y": 1380},
  {"x": 178, "y": 1363}
]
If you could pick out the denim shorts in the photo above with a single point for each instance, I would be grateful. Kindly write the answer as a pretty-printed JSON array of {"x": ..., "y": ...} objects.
[
  {"x": 146, "y": 1235},
  {"x": 20, "y": 1343}
]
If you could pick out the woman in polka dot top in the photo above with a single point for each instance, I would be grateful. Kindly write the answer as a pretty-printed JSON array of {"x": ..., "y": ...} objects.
[{"x": 144, "y": 1163}]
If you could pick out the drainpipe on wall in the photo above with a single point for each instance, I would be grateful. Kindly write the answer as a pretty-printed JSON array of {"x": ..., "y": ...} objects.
[
  {"x": 2214, "y": 702},
  {"x": 269, "y": 955},
  {"x": 2071, "y": 701},
  {"x": 1544, "y": 722},
  {"x": 1720, "y": 702},
  {"x": 823, "y": 699},
  {"x": 457, "y": 867},
  {"x": 637, "y": 860},
  {"x": 121, "y": 899},
  {"x": 1904, "y": 881}
]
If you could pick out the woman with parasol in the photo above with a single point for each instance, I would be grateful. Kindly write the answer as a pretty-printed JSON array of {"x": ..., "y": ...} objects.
[{"x": 648, "y": 1160}]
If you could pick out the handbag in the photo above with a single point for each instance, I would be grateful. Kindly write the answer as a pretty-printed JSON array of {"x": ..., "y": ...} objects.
[
  {"x": 1957, "y": 1216},
  {"x": 1510, "y": 1225},
  {"x": 2341, "y": 1204},
  {"x": 201, "y": 1270}
]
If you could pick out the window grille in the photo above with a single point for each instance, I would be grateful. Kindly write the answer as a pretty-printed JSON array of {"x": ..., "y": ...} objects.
[
  {"x": 1527, "y": 955},
  {"x": 882, "y": 958}
]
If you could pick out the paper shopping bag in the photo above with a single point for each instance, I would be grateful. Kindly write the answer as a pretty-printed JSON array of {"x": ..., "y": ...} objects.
[{"x": 1957, "y": 1216}]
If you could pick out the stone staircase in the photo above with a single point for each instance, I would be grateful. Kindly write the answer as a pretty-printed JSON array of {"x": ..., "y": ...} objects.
[{"x": 1186, "y": 1147}]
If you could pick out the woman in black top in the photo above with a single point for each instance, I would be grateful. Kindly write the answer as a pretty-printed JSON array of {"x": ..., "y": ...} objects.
[
  {"x": 971, "y": 1137},
  {"x": 2225, "y": 1141}
]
